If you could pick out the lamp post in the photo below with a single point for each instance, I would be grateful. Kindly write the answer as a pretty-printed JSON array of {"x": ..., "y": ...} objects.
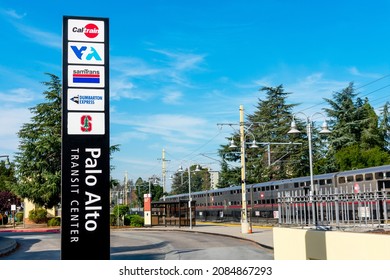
[
  {"x": 189, "y": 190},
  {"x": 309, "y": 131},
  {"x": 7, "y": 165}
]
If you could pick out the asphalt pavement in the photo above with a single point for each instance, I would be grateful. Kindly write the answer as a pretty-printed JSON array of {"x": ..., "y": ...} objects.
[{"x": 261, "y": 235}]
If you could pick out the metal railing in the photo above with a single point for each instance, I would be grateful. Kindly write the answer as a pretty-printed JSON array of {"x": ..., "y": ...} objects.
[{"x": 343, "y": 209}]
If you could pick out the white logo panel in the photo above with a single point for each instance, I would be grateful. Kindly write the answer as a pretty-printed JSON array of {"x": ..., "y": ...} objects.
[
  {"x": 85, "y": 99},
  {"x": 86, "y": 124},
  {"x": 86, "y": 76},
  {"x": 85, "y": 30},
  {"x": 85, "y": 53}
]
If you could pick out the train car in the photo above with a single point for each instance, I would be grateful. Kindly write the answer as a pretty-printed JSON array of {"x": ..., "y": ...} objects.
[{"x": 290, "y": 199}]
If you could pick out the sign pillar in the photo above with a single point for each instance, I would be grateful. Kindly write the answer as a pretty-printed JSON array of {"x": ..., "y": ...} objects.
[
  {"x": 147, "y": 210},
  {"x": 85, "y": 190}
]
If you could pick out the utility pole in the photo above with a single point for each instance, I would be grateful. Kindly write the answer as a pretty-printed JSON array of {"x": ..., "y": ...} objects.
[
  {"x": 125, "y": 187},
  {"x": 164, "y": 170}
]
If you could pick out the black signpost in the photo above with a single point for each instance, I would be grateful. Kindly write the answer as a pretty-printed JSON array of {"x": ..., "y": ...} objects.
[{"x": 85, "y": 228}]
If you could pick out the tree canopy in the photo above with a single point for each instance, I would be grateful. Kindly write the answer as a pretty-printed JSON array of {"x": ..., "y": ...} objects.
[
  {"x": 38, "y": 160},
  {"x": 359, "y": 138}
]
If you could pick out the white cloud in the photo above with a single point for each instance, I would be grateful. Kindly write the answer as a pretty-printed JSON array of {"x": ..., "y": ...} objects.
[
  {"x": 182, "y": 61},
  {"x": 39, "y": 36},
  {"x": 177, "y": 128},
  {"x": 11, "y": 119},
  {"x": 13, "y": 14},
  {"x": 19, "y": 95},
  {"x": 354, "y": 71},
  {"x": 133, "y": 67},
  {"x": 172, "y": 97}
]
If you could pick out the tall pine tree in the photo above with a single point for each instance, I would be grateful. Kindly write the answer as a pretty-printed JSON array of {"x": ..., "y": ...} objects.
[{"x": 38, "y": 161}]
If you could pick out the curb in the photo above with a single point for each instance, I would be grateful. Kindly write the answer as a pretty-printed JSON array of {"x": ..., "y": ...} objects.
[
  {"x": 10, "y": 245},
  {"x": 54, "y": 230}
]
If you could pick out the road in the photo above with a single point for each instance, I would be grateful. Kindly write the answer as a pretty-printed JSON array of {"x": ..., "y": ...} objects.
[{"x": 146, "y": 245}]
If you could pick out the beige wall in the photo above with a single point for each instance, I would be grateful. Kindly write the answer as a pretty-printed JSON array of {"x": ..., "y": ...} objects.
[
  {"x": 28, "y": 206},
  {"x": 303, "y": 244}
]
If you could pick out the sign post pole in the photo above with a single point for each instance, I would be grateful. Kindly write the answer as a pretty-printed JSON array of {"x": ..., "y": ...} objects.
[{"x": 85, "y": 183}]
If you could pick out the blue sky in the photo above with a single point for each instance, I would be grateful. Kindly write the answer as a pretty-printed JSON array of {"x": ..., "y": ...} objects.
[{"x": 178, "y": 68}]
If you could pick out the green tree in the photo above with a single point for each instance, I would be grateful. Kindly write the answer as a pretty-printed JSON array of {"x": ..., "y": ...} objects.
[
  {"x": 354, "y": 157},
  {"x": 357, "y": 140},
  {"x": 38, "y": 161},
  {"x": 200, "y": 180},
  {"x": 275, "y": 158},
  {"x": 142, "y": 187},
  {"x": 384, "y": 125},
  {"x": 120, "y": 211},
  {"x": 7, "y": 176},
  {"x": 229, "y": 176},
  {"x": 39, "y": 158}
]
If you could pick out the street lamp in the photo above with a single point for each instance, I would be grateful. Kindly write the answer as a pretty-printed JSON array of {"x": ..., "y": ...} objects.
[
  {"x": 189, "y": 189},
  {"x": 6, "y": 163},
  {"x": 309, "y": 130}
]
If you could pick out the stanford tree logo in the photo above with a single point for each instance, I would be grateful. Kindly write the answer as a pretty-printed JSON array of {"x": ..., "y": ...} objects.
[{"x": 86, "y": 123}]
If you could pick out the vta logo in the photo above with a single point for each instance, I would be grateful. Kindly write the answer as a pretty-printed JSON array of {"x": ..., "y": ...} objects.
[
  {"x": 86, "y": 123},
  {"x": 79, "y": 52}
]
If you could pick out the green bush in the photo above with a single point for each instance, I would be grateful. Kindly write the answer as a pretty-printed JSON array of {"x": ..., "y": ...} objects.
[
  {"x": 19, "y": 216},
  {"x": 134, "y": 221},
  {"x": 38, "y": 216},
  {"x": 54, "y": 222}
]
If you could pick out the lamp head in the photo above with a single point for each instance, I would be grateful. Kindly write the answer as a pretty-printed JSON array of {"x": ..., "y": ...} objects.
[
  {"x": 253, "y": 145},
  {"x": 232, "y": 145},
  {"x": 6, "y": 162},
  {"x": 324, "y": 128},
  {"x": 293, "y": 128}
]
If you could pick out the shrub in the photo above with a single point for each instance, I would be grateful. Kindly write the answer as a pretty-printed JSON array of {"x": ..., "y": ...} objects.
[
  {"x": 134, "y": 221},
  {"x": 19, "y": 216},
  {"x": 38, "y": 216},
  {"x": 54, "y": 222}
]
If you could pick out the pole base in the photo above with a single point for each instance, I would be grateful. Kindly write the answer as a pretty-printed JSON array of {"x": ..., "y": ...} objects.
[{"x": 246, "y": 228}]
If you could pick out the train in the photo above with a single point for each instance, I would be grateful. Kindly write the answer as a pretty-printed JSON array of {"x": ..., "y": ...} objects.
[{"x": 337, "y": 196}]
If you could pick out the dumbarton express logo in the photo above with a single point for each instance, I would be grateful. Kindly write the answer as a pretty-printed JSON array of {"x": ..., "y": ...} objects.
[{"x": 90, "y": 30}]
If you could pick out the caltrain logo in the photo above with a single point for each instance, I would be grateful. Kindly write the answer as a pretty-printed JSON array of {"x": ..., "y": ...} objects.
[
  {"x": 90, "y": 30},
  {"x": 86, "y": 123},
  {"x": 86, "y": 76},
  {"x": 82, "y": 53},
  {"x": 356, "y": 188},
  {"x": 262, "y": 195}
]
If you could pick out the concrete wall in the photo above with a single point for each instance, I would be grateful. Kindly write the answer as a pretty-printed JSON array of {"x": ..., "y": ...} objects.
[
  {"x": 304, "y": 244},
  {"x": 28, "y": 206}
]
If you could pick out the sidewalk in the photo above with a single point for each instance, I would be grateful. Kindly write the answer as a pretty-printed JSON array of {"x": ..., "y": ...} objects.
[
  {"x": 7, "y": 245},
  {"x": 261, "y": 235}
]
